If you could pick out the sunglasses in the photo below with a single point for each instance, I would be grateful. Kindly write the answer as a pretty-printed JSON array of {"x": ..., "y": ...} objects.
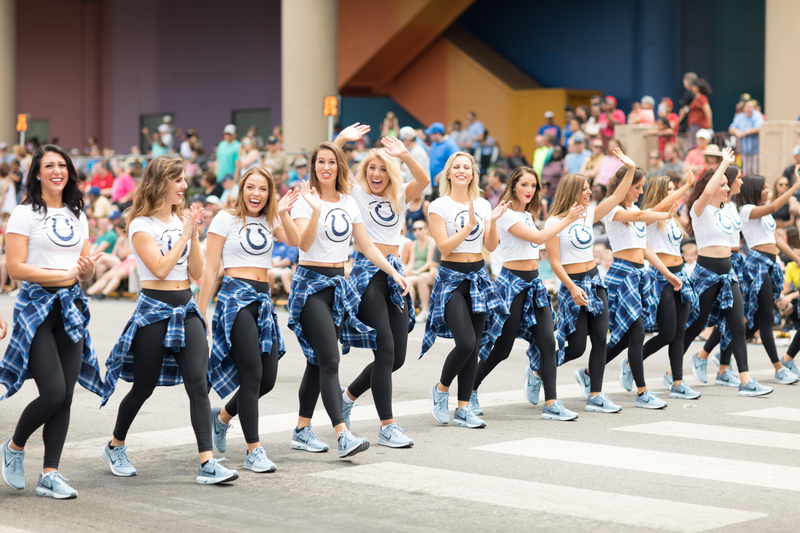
[
  {"x": 417, "y": 228},
  {"x": 597, "y": 146}
]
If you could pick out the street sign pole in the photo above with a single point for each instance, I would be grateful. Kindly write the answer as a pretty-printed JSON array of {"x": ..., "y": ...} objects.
[{"x": 330, "y": 109}]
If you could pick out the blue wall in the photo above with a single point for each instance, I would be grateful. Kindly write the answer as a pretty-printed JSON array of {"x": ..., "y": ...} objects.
[{"x": 372, "y": 110}]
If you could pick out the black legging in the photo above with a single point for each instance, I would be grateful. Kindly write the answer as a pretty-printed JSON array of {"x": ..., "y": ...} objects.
[
  {"x": 633, "y": 340},
  {"x": 467, "y": 329},
  {"x": 391, "y": 324},
  {"x": 148, "y": 357},
  {"x": 316, "y": 319},
  {"x": 542, "y": 335},
  {"x": 54, "y": 362},
  {"x": 734, "y": 316},
  {"x": 596, "y": 327},
  {"x": 671, "y": 318},
  {"x": 257, "y": 371}
]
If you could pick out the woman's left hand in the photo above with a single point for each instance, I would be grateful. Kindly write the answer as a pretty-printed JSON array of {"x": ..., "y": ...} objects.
[
  {"x": 394, "y": 146},
  {"x": 3, "y": 328},
  {"x": 400, "y": 280},
  {"x": 674, "y": 281},
  {"x": 287, "y": 201},
  {"x": 498, "y": 211},
  {"x": 86, "y": 265}
]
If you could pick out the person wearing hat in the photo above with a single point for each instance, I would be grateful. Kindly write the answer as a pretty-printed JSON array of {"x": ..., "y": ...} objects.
[
  {"x": 299, "y": 172},
  {"x": 5, "y": 157},
  {"x": 228, "y": 153},
  {"x": 712, "y": 155},
  {"x": 275, "y": 160},
  {"x": 610, "y": 117},
  {"x": 420, "y": 155},
  {"x": 98, "y": 205},
  {"x": 695, "y": 160},
  {"x": 442, "y": 147},
  {"x": 550, "y": 127},
  {"x": 788, "y": 173}
]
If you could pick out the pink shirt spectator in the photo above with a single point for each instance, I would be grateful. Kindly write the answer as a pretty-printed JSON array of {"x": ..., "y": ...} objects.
[
  {"x": 605, "y": 129},
  {"x": 607, "y": 168},
  {"x": 646, "y": 116},
  {"x": 122, "y": 186},
  {"x": 695, "y": 159}
]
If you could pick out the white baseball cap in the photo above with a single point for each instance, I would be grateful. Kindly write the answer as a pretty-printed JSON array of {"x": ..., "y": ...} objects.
[
  {"x": 704, "y": 134},
  {"x": 407, "y": 133},
  {"x": 548, "y": 114},
  {"x": 230, "y": 129}
]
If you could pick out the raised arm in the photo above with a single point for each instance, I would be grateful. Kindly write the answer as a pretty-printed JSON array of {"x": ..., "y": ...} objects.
[
  {"x": 714, "y": 183},
  {"x": 287, "y": 232},
  {"x": 351, "y": 133},
  {"x": 764, "y": 210},
  {"x": 648, "y": 216},
  {"x": 619, "y": 195},
  {"x": 667, "y": 203},
  {"x": 395, "y": 148},
  {"x": 537, "y": 236}
]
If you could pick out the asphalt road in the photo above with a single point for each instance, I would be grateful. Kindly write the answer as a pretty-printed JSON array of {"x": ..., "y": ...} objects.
[{"x": 695, "y": 466}]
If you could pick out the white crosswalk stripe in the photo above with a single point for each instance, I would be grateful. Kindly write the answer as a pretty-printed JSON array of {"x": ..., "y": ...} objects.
[
  {"x": 774, "y": 413},
  {"x": 729, "y": 435}
]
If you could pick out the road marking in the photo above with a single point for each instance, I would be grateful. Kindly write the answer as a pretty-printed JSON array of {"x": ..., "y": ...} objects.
[
  {"x": 622, "y": 509},
  {"x": 774, "y": 413},
  {"x": 676, "y": 464},
  {"x": 729, "y": 435}
]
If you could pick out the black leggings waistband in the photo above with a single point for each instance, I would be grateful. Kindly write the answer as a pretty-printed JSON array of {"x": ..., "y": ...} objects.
[
  {"x": 717, "y": 265},
  {"x": 173, "y": 298},
  {"x": 464, "y": 268},
  {"x": 580, "y": 275},
  {"x": 527, "y": 275},
  {"x": 771, "y": 257},
  {"x": 259, "y": 286},
  {"x": 330, "y": 272},
  {"x": 636, "y": 265},
  {"x": 675, "y": 269},
  {"x": 53, "y": 290}
]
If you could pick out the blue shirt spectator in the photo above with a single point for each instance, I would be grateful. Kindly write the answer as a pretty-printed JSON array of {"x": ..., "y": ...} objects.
[
  {"x": 745, "y": 126},
  {"x": 578, "y": 153},
  {"x": 475, "y": 129},
  {"x": 284, "y": 251},
  {"x": 550, "y": 127},
  {"x": 442, "y": 147}
]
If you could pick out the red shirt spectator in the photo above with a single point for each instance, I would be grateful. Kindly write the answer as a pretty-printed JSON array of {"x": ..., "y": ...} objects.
[
  {"x": 103, "y": 180},
  {"x": 665, "y": 110},
  {"x": 696, "y": 114},
  {"x": 616, "y": 117}
]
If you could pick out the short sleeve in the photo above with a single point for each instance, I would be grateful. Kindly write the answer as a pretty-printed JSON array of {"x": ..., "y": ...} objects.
[
  {"x": 140, "y": 224},
  {"x": 483, "y": 208},
  {"x": 221, "y": 224},
  {"x": 609, "y": 218},
  {"x": 355, "y": 212},
  {"x": 551, "y": 222},
  {"x": 507, "y": 220},
  {"x": 745, "y": 211},
  {"x": 84, "y": 226},
  {"x": 20, "y": 221},
  {"x": 301, "y": 209},
  {"x": 437, "y": 207}
]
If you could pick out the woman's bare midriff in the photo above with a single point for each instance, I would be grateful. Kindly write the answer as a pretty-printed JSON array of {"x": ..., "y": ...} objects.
[
  {"x": 670, "y": 260},
  {"x": 715, "y": 251},
  {"x": 767, "y": 248},
  {"x": 386, "y": 249},
  {"x": 322, "y": 265},
  {"x": 579, "y": 268},
  {"x": 634, "y": 255},
  {"x": 462, "y": 257},
  {"x": 251, "y": 273},
  {"x": 525, "y": 265},
  {"x": 166, "y": 285}
]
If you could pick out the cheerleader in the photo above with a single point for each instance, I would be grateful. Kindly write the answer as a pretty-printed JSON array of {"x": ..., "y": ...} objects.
[
  {"x": 531, "y": 314},
  {"x": 164, "y": 342},
  {"x": 762, "y": 273},
  {"x": 664, "y": 238},
  {"x": 247, "y": 342},
  {"x": 582, "y": 298},
  {"x": 382, "y": 198},
  {"x": 632, "y": 298},
  {"x": 48, "y": 251},
  {"x": 714, "y": 280},
  {"x": 465, "y": 304},
  {"x": 321, "y": 301}
]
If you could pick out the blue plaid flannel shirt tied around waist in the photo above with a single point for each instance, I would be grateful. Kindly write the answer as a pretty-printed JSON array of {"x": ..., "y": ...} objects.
[
  {"x": 703, "y": 278},
  {"x": 149, "y": 311},
  {"x": 485, "y": 299},
  {"x": 345, "y": 306},
  {"x": 360, "y": 276},
  {"x": 568, "y": 310},
  {"x": 234, "y": 296},
  {"x": 687, "y": 291},
  {"x": 631, "y": 295},
  {"x": 737, "y": 260},
  {"x": 755, "y": 267},
  {"x": 30, "y": 310},
  {"x": 509, "y": 286}
]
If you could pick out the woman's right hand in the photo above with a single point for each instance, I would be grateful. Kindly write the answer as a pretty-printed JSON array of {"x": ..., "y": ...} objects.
[
  {"x": 473, "y": 220},
  {"x": 624, "y": 159},
  {"x": 728, "y": 156},
  {"x": 576, "y": 212},
  {"x": 355, "y": 132},
  {"x": 578, "y": 296},
  {"x": 311, "y": 196},
  {"x": 188, "y": 226}
]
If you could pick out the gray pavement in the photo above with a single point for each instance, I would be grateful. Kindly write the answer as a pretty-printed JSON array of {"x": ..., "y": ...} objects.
[{"x": 666, "y": 471}]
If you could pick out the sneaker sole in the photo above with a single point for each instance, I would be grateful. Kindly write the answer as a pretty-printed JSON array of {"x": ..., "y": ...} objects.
[
  {"x": 260, "y": 470},
  {"x": 559, "y": 418},
  {"x": 464, "y": 424},
  {"x": 684, "y": 396},
  {"x": 595, "y": 409},
  {"x": 579, "y": 379},
  {"x": 533, "y": 400},
  {"x": 358, "y": 449},
  {"x": 389, "y": 444},
  {"x": 753, "y": 394},
  {"x": 784, "y": 382},
  {"x": 725, "y": 384},
  {"x": 113, "y": 469},
  {"x": 433, "y": 411},
  {"x": 651, "y": 407},
  {"x": 202, "y": 480},
  {"x": 47, "y": 493},
  {"x": 306, "y": 448}
]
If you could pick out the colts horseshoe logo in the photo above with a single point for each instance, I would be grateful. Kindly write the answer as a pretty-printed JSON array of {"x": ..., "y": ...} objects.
[
  {"x": 640, "y": 229},
  {"x": 337, "y": 225},
  {"x": 674, "y": 233},
  {"x": 723, "y": 222},
  {"x": 736, "y": 220},
  {"x": 580, "y": 236},
  {"x": 381, "y": 212},
  {"x": 463, "y": 217},
  {"x": 257, "y": 239},
  {"x": 530, "y": 224},
  {"x": 768, "y": 222},
  {"x": 167, "y": 240},
  {"x": 62, "y": 231}
]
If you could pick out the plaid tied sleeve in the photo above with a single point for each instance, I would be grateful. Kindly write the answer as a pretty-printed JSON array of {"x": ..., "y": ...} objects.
[
  {"x": 568, "y": 310},
  {"x": 756, "y": 266},
  {"x": 631, "y": 295},
  {"x": 687, "y": 292},
  {"x": 702, "y": 279}
]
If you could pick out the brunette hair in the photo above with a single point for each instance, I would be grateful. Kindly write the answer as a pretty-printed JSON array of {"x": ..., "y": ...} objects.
[
  {"x": 342, "y": 181},
  {"x": 568, "y": 192},
  {"x": 151, "y": 194},
  {"x": 509, "y": 196},
  {"x": 71, "y": 194}
]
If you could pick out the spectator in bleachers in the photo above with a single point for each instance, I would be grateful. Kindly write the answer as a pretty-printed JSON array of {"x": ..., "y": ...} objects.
[
  {"x": 700, "y": 116},
  {"x": 390, "y": 126},
  {"x": 97, "y": 206},
  {"x": 284, "y": 261},
  {"x": 442, "y": 147},
  {"x": 102, "y": 178},
  {"x": 106, "y": 237},
  {"x": 785, "y": 215},
  {"x": 688, "y": 95},
  {"x": 516, "y": 158},
  {"x": 577, "y": 153},
  {"x": 475, "y": 128},
  {"x": 299, "y": 172},
  {"x": 550, "y": 126},
  {"x": 591, "y": 165},
  {"x": 417, "y": 210},
  {"x": 409, "y": 137},
  {"x": 745, "y": 127},
  {"x": 210, "y": 185},
  {"x": 572, "y": 127},
  {"x": 610, "y": 117},
  {"x": 280, "y": 183},
  {"x": 496, "y": 185},
  {"x": 788, "y": 172},
  {"x": 228, "y": 153},
  {"x": 8, "y": 192},
  {"x": 258, "y": 140},
  {"x": 117, "y": 266},
  {"x": 460, "y": 135},
  {"x": 554, "y": 169},
  {"x": 541, "y": 154},
  {"x": 157, "y": 146},
  {"x": 665, "y": 111},
  {"x": 664, "y": 132},
  {"x": 608, "y": 164},
  {"x": 275, "y": 159},
  {"x": 249, "y": 156},
  {"x": 420, "y": 269},
  {"x": 645, "y": 113},
  {"x": 487, "y": 153},
  {"x": 125, "y": 185},
  {"x": 231, "y": 189},
  {"x": 695, "y": 160},
  {"x": 599, "y": 192},
  {"x": 672, "y": 160},
  {"x": 713, "y": 156},
  {"x": 653, "y": 164}
]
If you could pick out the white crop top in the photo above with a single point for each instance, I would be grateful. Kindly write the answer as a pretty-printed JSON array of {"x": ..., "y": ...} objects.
[
  {"x": 165, "y": 235},
  {"x": 713, "y": 227},
  {"x": 245, "y": 246},
  {"x": 514, "y": 248},
  {"x": 456, "y": 217},
  {"x": 383, "y": 225},
  {"x": 334, "y": 230},
  {"x": 757, "y": 231},
  {"x": 622, "y": 236},
  {"x": 577, "y": 240},
  {"x": 736, "y": 221},
  {"x": 666, "y": 240},
  {"x": 55, "y": 238}
]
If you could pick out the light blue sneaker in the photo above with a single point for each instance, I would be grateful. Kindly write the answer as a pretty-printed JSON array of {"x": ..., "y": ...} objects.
[
  {"x": 684, "y": 392},
  {"x": 465, "y": 418},
  {"x": 584, "y": 381},
  {"x": 13, "y": 472},
  {"x": 347, "y": 409},
  {"x": 220, "y": 440},
  {"x": 257, "y": 461},
  {"x": 754, "y": 388},
  {"x": 648, "y": 400},
  {"x": 440, "y": 408},
  {"x": 784, "y": 377},
  {"x": 601, "y": 404},
  {"x": 54, "y": 485},
  {"x": 392, "y": 436},
  {"x": 533, "y": 384},
  {"x": 714, "y": 357},
  {"x": 557, "y": 411},
  {"x": 625, "y": 375},
  {"x": 117, "y": 459},
  {"x": 667, "y": 380},
  {"x": 791, "y": 366},
  {"x": 304, "y": 439},
  {"x": 474, "y": 404},
  {"x": 700, "y": 369},
  {"x": 350, "y": 445},
  {"x": 727, "y": 379},
  {"x": 212, "y": 473}
]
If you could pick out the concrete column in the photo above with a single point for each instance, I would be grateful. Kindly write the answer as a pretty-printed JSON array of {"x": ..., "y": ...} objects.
[
  {"x": 781, "y": 49},
  {"x": 635, "y": 142},
  {"x": 776, "y": 140},
  {"x": 8, "y": 71},
  {"x": 308, "y": 69}
]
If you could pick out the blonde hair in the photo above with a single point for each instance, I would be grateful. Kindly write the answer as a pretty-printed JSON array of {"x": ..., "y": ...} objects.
[
  {"x": 568, "y": 192},
  {"x": 444, "y": 181},
  {"x": 395, "y": 186},
  {"x": 657, "y": 190},
  {"x": 151, "y": 194},
  {"x": 270, "y": 210},
  {"x": 342, "y": 171}
]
